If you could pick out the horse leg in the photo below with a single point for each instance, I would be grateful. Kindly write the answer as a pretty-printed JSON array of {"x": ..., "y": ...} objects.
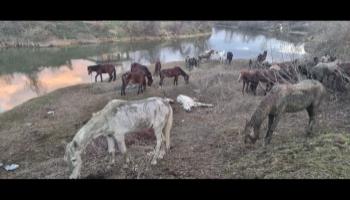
[
  {"x": 122, "y": 147},
  {"x": 273, "y": 121},
  {"x": 101, "y": 77},
  {"x": 243, "y": 87},
  {"x": 158, "y": 133},
  {"x": 311, "y": 112},
  {"x": 110, "y": 77},
  {"x": 111, "y": 149},
  {"x": 96, "y": 77},
  {"x": 175, "y": 80}
]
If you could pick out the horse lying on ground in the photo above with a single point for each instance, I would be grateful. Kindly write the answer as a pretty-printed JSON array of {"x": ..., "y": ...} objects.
[
  {"x": 188, "y": 103},
  {"x": 115, "y": 120},
  {"x": 135, "y": 77},
  {"x": 285, "y": 98},
  {"x": 101, "y": 69},
  {"x": 145, "y": 71},
  {"x": 173, "y": 72}
]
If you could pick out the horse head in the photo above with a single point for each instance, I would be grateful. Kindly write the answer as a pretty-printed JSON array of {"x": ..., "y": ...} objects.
[
  {"x": 90, "y": 69},
  {"x": 187, "y": 77},
  {"x": 249, "y": 134},
  {"x": 72, "y": 157},
  {"x": 150, "y": 80}
]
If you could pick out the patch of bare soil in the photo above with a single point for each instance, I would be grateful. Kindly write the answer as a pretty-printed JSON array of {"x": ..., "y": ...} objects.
[{"x": 205, "y": 143}]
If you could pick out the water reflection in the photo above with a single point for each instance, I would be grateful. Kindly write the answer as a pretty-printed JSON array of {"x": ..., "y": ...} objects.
[
  {"x": 17, "y": 88},
  {"x": 27, "y": 73}
]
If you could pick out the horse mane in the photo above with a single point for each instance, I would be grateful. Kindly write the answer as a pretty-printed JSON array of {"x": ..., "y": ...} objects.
[
  {"x": 182, "y": 71},
  {"x": 263, "y": 109}
]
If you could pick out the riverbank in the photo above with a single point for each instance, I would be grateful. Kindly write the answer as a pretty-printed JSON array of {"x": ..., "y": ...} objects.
[
  {"x": 36, "y": 140},
  {"x": 73, "y": 42}
]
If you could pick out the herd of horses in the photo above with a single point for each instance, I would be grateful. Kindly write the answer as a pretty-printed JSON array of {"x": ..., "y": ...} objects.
[
  {"x": 328, "y": 70},
  {"x": 291, "y": 86}
]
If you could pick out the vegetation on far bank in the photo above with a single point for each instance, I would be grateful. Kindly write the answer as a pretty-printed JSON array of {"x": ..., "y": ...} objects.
[{"x": 64, "y": 33}]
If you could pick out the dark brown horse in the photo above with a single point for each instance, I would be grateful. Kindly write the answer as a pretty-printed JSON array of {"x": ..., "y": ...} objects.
[
  {"x": 145, "y": 71},
  {"x": 173, "y": 72},
  {"x": 135, "y": 77},
  {"x": 103, "y": 68},
  {"x": 158, "y": 67},
  {"x": 262, "y": 57}
]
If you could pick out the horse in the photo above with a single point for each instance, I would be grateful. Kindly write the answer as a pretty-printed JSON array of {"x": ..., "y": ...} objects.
[
  {"x": 157, "y": 67},
  {"x": 262, "y": 57},
  {"x": 144, "y": 69},
  {"x": 206, "y": 55},
  {"x": 190, "y": 62},
  {"x": 323, "y": 71},
  {"x": 248, "y": 77},
  {"x": 229, "y": 57},
  {"x": 285, "y": 98},
  {"x": 173, "y": 72},
  {"x": 103, "y": 68},
  {"x": 135, "y": 77},
  {"x": 253, "y": 77},
  {"x": 114, "y": 121}
]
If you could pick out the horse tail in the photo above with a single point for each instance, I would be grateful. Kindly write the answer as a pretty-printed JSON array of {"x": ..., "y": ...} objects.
[{"x": 168, "y": 127}]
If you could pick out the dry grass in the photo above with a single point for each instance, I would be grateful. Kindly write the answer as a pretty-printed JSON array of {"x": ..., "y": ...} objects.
[{"x": 206, "y": 143}]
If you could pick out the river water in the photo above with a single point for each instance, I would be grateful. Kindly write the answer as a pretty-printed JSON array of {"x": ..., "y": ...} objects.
[{"x": 28, "y": 73}]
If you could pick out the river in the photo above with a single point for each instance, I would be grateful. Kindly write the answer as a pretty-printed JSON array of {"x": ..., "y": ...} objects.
[{"x": 28, "y": 73}]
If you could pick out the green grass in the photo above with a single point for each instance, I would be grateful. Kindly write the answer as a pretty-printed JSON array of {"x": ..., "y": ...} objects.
[{"x": 321, "y": 156}]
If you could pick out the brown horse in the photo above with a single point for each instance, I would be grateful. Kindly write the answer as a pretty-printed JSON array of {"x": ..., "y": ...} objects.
[
  {"x": 253, "y": 77},
  {"x": 145, "y": 71},
  {"x": 173, "y": 72},
  {"x": 285, "y": 98},
  {"x": 135, "y": 77},
  {"x": 103, "y": 68},
  {"x": 205, "y": 55},
  {"x": 158, "y": 67}
]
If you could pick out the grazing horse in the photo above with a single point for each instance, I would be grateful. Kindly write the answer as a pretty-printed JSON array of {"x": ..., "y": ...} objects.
[
  {"x": 173, "y": 72},
  {"x": 229, "y": 57},
  {"x": 285, "y": 98},
  {"x": 135, "y": 77},
  {"x": 248, "y": 78},
  {"x": 144, "y": 69},
  {"x": 206, "y": 55},
  {"x": 158, "y": 66},
  {"x": 262, "y": 57},
  {"x": 190, "y": 62},
  {"x": 117, "y": 119},
  {"x": 253, "y": 77},
  {"x": 103, "y": 68}
]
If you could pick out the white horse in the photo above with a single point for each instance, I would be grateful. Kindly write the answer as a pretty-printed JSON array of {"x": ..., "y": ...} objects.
[
  {"x": 222, "y": 56},
  {"x": 187, "y": 102},
  {"x": 118, "y": 118}
]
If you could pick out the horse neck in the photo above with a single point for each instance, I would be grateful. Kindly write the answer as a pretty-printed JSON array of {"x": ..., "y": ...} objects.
[
  {"x": 182, "y": 72},
  {"x": 86, "y": 134},
  {"x": 263, "y": 110}
]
